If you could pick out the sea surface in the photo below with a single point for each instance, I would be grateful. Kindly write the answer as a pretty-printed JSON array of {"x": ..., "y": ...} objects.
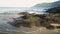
[
  {"x": 4, "y": 19},
  {"x": 20, "y": 9}
]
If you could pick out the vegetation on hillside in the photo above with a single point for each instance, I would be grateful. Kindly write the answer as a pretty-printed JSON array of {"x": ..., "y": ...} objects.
[{"x": 54, "y": 10}]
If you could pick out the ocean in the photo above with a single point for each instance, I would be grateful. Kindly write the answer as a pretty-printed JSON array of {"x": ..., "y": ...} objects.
[{"x": 20, "y": 9}]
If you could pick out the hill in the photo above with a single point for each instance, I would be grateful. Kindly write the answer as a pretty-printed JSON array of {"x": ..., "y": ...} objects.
[{"x": 54, "y": 4}]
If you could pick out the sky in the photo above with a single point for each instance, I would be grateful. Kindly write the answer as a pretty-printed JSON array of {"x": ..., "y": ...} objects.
[{"x": 22, "y": 3}]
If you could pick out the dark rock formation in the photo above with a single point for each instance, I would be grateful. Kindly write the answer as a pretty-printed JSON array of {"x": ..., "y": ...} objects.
[{"x": 17, "y": 22}]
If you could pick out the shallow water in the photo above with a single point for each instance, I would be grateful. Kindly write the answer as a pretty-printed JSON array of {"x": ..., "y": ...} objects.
[{"x": 4, "y": 26}]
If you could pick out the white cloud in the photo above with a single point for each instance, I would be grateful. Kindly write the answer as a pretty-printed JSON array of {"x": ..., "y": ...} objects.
[{"x": 21, "y": 3}]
